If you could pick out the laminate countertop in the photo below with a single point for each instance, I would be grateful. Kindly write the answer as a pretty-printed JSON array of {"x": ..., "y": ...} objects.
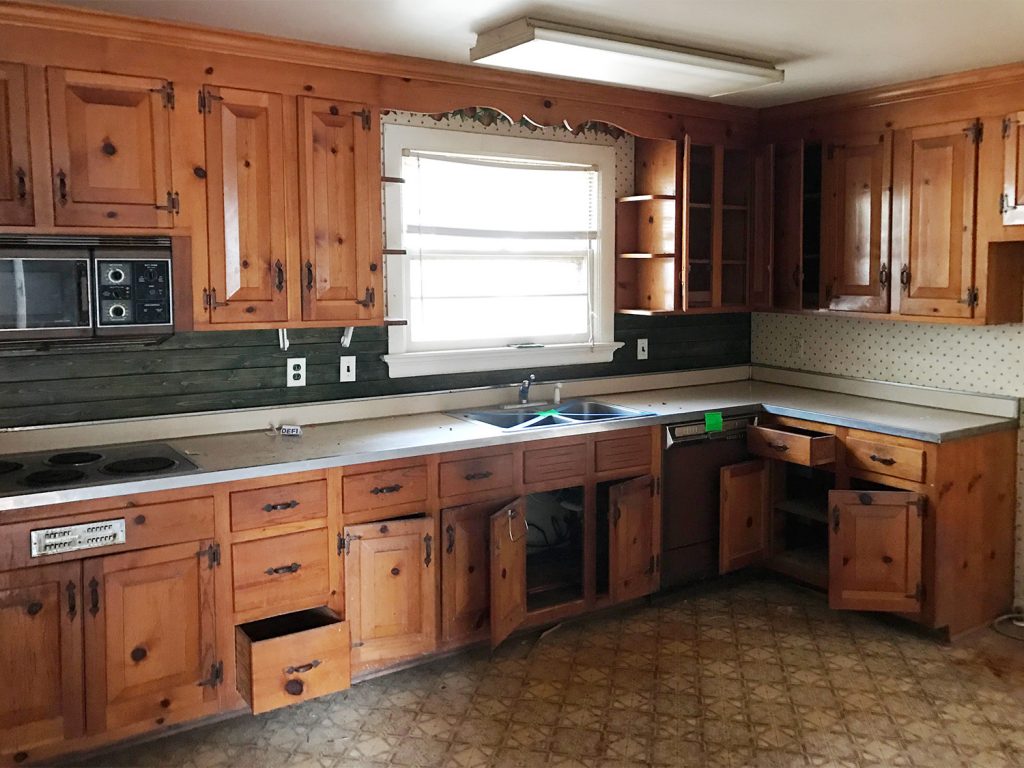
[{"x": 243, "y": 455}]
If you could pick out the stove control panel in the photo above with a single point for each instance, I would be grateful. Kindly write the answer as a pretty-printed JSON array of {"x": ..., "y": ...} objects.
[
  {"x": 71, "y": 538},
  {"x": 133, "y": 292}
]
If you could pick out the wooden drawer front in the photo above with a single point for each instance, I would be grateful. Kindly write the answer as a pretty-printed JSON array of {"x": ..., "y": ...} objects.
[
  {"x": 622, "y": 452},
  {"x": 543, "y": 464},
  {"x": 280, "y": 504},
  {"x": 146, "y": 525},
  {"x": 387, "y": 488},
  {"x": 885, "y": 458},
  {"x": 280, "y": 572},
  {"x": 291, "y": 658},
  {"x": 485, "y": 473},
  {"x": 797, "y": 446}
]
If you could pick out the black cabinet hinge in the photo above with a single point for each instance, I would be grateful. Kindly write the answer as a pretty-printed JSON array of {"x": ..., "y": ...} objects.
[
  {"x": 206, "y": 99},
  {"x": 212, "y": 555},
  {"x": 919, "y": 592},
  {"x": 341, "y": 545},
  {"x": 349, "y": 538},
  {"x": 922, "y": 506},
  {"x": 975, "y": 132},
  {"x": 369, "y": 298},
  {"x": 364, "y": 115},
  {"x": 216, "y": 676},
  {"x": 1004, "y": 204},
  {"x": 173, "y": 204},
  {"x": 1007, "y": 126},
  {"x": 166, "y": 92},
  {"x": 970, "y": 297}
]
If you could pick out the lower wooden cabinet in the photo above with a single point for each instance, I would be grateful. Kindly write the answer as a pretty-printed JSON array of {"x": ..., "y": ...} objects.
[
  {"x": 465, "y": 577},
  {"x": 281, "y": 573},
  {"x": 633, "y": 557},
  {"x": 744, "y": 513},
  {"x": 390, "y": 590},
  {"x": 508, "y": 529}
]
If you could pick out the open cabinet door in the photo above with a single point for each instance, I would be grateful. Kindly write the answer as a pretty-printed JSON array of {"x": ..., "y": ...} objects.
[
  {"x": 875, "y": 551},
  {"x": 465, "y": 578},
  {"x": 508, "y": 570},
  {"x": 744, "y": 511},
  {"x": 632, "y": 559}
]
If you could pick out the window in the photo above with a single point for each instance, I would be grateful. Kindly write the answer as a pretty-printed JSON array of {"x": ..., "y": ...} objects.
[{"x": 507, "y": 254}]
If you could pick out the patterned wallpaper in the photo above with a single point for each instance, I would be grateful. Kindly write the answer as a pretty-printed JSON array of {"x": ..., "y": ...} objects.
[{"x": 985, "y": 360}]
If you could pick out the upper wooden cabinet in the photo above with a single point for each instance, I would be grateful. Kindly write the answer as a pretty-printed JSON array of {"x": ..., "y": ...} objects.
[
  {"x": 16, "y": 186},
  {"x": 934, "y": 190},
  {"x": 1012, "y": 203},
  {"x": 246, "y": 147},
  {"x": 339, "y": 174},
  {"x": 856, "y": 178},
  {"x": 111, "y": 149}
]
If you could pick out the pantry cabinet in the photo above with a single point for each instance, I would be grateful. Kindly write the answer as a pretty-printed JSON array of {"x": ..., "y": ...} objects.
[
  {"x": 111, "y": 149},
  {"x": 16, "y": 183}
]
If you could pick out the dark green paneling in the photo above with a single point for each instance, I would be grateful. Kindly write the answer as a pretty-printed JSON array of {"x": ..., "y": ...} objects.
[{"x": 234, "y": 369}]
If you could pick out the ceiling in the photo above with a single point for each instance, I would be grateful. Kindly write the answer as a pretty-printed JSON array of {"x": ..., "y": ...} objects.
[{"x": 825, "y": 46}]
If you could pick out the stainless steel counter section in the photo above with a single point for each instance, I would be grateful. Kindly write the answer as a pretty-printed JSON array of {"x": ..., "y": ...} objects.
[{"x": 244, "y": 455}]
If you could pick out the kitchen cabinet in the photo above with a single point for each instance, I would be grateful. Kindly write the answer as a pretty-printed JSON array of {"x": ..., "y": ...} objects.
[
  {"x": 508, "y": 532},
  {"x": 744, "y": 516},
  {"x": 390, "y": 590},
  {"x": 339, "y": 192},
  {"x": 856, "y": 181},
  {"x": 16, "y": 183},
  {"x": 934, "y": 190},
  {"x": 634, "y": 557},
  {"x": 41, "y": 699},
  {"x": 246, "y": 150},
  {"x": 465, "y": 577},
  {"x": 1012, "y": 202},
  {"x": 111, "y": 149},
  {"x": 150, "y": 643},
  {"x": 275, "y": 574}
]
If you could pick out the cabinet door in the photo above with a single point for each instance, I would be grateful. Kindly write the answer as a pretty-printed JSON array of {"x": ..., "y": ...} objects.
[
  {"x": 465, "y": 577},
  {"x": 632, "y": 557},
  {"x": 40, "y": 658},
  {"x": 1013, "y": 176},
  {"x": 110, "y": 139},
  {"x": 149, "y": 635},
  {"x": 788, "y": 225},
  {"x": 856, "y": 178},
  {"x": 15, "y": 166},
  {"x": 339, "y": 173},
  {"x": 934, "y": 172},
  {"x": 245, "y": 156},
  {"x": 390, "y": 590},
  {"x": 744, "y": 513},
  {"x": 875, "y": 550},
  {"x": 508, "y": 570}
]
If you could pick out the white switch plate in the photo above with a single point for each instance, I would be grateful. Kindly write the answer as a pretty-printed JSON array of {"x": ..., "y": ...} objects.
[
  {"x": 296, "y": 372},
  {"x": 641, "y": 349},
  {"x": 347, "y": 368}
]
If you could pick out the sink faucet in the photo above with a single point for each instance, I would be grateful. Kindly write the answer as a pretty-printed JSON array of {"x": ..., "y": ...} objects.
[{"x": 524, "y": 389}]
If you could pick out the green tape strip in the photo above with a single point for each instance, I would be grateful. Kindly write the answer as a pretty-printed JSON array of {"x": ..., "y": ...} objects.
[{"x": 713, "y": 421}]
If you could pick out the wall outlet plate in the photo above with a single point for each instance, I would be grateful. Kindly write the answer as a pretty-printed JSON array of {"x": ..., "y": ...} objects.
[
  {"x": 641, "y": 349},
  {"x": 347, "y": 368},
  {"x": 296, "y": 372}
]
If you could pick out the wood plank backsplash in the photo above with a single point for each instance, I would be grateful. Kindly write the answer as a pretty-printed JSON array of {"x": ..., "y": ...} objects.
[{"x": 213, "y": 370}]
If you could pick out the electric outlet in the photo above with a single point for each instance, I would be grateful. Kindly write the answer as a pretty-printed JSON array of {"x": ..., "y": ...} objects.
[
  {"x": 641, "y": 349},
  {"x": 296, "y": 373},
  {"x": 347, "y": 368}
]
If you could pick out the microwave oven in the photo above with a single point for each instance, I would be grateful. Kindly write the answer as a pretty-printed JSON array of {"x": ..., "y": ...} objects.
[{"x": 80, "y": 287}]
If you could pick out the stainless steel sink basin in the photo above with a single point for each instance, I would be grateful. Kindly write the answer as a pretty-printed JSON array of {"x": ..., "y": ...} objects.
[{"x": 534, "y": 417}]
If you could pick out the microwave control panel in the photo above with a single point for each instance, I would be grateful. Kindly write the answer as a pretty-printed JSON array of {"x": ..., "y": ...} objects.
[{"x": 133, "y": 292}]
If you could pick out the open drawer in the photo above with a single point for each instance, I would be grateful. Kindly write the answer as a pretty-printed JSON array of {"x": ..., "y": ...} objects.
[
  {"x": 291, "y": 658},
  {"x": 792, "y": 444}
]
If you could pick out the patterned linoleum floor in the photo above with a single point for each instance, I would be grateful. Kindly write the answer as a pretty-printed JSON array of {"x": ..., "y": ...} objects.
[{"x": 749, "y": 673}]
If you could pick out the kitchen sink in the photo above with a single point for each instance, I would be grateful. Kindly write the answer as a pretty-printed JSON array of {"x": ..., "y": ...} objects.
[{"x": 533, "y": 416}]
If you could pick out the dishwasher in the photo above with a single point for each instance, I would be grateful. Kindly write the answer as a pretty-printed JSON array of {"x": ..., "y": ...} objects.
[{"x": 690, "y": 498}]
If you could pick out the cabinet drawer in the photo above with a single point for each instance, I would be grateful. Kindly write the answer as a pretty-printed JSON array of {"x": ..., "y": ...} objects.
[
  {"x": 484, "y": 473},
  {"x": 280, "y": 572},
  {"x": 622, "y": 452},
  {"x": 544, "y": 464},
  {"x": 280, "y": 504},
  {"x": 291, "y": 658},
  {"x": 792, "y": 444},
  {"x": 384, "y": 488},
  {"x": 885, "y": 458}
]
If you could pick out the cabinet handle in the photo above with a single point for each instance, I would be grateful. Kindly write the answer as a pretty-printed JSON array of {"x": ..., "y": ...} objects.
[
  {"x": 62, "y": 187},
  {"x": 386, "y": 489},
  {"x": 281, "y": 569},
  {"x": 478, "y": 475},
  {"x": 302, "y": 668},
  {"x": 886, "y": 460},
  {"x": 72, "y": 591},
  {"x": 835, "y": 519},
  {"x": 279, "y": 268},
  {"x": 281, "y": 505},
  {"x": 780, "y": 447},
  {"x": 796, "y": 275},
  {"x": 22, "y": 184},
  {"x": 616, "y": 515},
  {"x": 866, "y": 499},
  {"x": 33, "y": 608},
  {"x": 428, "y": 545},
  {"x": 294, "y": 687},
  {"x": 883, "y": 275},
  {"x": 309, "y": 276},
  {"x": 513, "y": 513},
  {"x": 450, "y": 532},
  {"x": 94, "y": 596},
  {"x": 905, "y": 276}
]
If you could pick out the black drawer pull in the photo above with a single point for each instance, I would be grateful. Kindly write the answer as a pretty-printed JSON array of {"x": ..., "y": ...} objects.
[
  {"x": 139, "y": 654},
  {"x": 309, "y": 276},
  {"x": 450, "y": 532},
  {"x": 283, "y": 569},
  {"x": 780, "y": 447},
  {"x": 385, "y": 489},
  {"x": 94, "y": 596},
  {"x": 72, "y": 600},
  {"x": 478, "y": 475},
  {"x": 294, "y": 687},
  {"x": 886, "y": 460},
  {"x": 34, "y": 608},
  {"x": 302, "y": 668},
  {"x": 280, "y": 505},
  {"x": 22, "y": 186}
]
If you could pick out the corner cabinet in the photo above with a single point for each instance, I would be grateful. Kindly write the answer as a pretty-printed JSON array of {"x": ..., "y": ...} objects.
[{"x": 16, "y": 187}]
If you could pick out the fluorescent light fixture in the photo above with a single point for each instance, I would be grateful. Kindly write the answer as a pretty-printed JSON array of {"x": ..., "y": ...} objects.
[{"x": 565, "y": 51}]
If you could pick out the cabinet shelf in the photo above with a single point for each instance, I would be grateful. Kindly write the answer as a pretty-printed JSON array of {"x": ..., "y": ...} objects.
[
  {"x": 646, "y": 255},
  {"x": 806, "y": 564},
  {"x": 808, "y": 509},
  {"x": 702, "y": 206},
  {"x": 643, "y": 198}
]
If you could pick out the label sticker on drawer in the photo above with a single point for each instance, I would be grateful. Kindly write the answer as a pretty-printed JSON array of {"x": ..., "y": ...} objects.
[
  {"x": 713, "y": 421},
  {"x": 71, "y": 538}
]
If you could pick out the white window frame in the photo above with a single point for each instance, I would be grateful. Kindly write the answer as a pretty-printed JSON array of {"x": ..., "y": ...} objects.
[{"x": 401, "y": 360}]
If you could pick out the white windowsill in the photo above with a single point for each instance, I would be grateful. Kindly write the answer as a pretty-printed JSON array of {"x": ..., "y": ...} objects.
[{"x": 496, "y": 359}]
